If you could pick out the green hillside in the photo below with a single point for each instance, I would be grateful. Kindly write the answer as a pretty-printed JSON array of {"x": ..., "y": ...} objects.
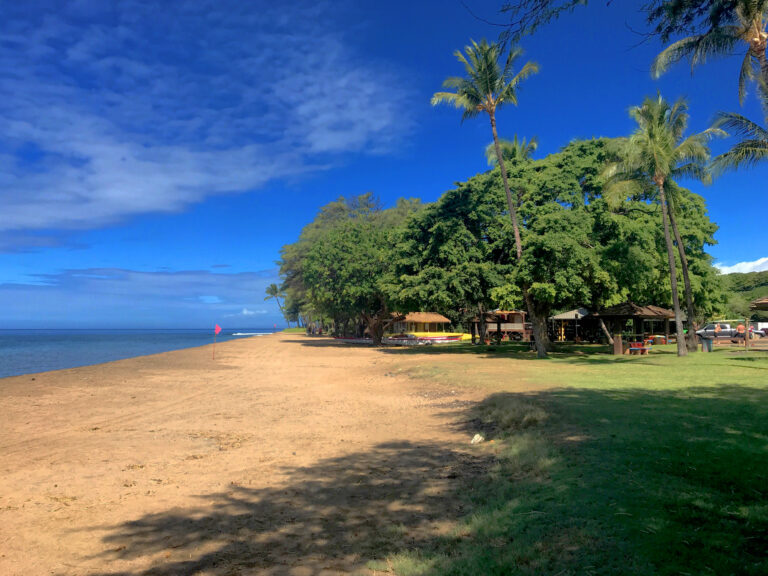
[{"x": 743, "y": 289}]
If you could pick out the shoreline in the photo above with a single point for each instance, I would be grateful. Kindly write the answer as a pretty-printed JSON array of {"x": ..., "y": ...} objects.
[{"x": 230, "y": 338}]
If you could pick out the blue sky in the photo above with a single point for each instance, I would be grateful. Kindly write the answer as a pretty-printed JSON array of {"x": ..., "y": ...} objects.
[{"x": 156, "y": 155}]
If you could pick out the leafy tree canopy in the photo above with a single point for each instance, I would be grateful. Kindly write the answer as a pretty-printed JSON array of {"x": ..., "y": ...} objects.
[{"x": 336, "y": 268}]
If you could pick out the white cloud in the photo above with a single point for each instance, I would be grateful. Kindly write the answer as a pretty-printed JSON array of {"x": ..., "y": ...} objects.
[
  {"x": 157, "y": 107},
  {"x": 759, "y": 265},
  {"x": 114, "y": 297}
]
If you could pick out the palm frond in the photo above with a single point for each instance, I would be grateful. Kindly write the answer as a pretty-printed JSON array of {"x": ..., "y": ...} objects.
[
  {"x": 717, "y": 42},
  {"x": 514, "y": 53},
  {"x": 693, "y": 170},
  {"x": 743, "y": 155},
  {"x": 511, "y": 150},
  {"x": 746, "y": 74},
  {"x": 740, "y": 126},
  {"x": 672, "y": 54}
]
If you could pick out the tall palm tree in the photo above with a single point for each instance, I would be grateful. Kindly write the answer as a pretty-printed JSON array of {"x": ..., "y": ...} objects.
[
  {"x": 674, "y": 201},
  {"x": 748, "y": 24},
  {"x": 487, "y": 87},
  {"x": 511, "y": 150},
  {"x": 657, "y": 153}
]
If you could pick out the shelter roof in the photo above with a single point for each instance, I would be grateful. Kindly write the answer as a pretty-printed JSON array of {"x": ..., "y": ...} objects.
[
  {"x": 424, "y": 317},
  {"x": 576, "y": 314},
  {"x": 760, "y": 304},
  {"x": 632, "y": 310}
]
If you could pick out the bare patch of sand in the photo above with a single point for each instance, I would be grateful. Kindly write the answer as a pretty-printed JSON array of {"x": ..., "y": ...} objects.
[{"x": 287, "y": 455}]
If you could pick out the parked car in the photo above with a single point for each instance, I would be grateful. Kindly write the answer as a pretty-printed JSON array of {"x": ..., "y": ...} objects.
[
  {"x": 718, "y": 330},
  {"x": 756, "y": 332}
]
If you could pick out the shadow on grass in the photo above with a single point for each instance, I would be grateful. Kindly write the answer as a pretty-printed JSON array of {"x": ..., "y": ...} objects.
[
  {"x": 618, "y": 482},
  {"x": 576, "y": 481}
]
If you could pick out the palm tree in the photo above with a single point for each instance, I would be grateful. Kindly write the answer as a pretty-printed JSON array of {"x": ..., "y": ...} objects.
[
  {"x": 748, "y": 25},
  {"x": 487, "y": 87},
  {"x": 511, "y": 150},
  {"x": 674, "y": 200},
  {"x": 274, "y": 291},
  {"x": 656, "y": 153}
]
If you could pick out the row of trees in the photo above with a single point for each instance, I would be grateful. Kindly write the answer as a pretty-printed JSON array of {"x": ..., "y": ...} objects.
[
  {"x": 597, "y": 223},
  {"x": 357, "y": 262}
]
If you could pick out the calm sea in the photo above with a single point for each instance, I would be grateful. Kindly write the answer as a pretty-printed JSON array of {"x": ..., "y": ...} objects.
[{"x": 27, "y": 351}]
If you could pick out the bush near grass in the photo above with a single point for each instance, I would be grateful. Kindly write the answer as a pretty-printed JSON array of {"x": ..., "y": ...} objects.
[{"x": 653, "y": 465}]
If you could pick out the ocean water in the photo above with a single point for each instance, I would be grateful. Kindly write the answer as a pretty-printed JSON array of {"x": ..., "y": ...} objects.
[{"x": 28, "y": 351}]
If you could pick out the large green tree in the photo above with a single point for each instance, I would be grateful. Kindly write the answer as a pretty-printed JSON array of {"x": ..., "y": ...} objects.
[
  {"x": 343, "y": 273},
  {"x": 451, "y": 255},
  {"x": 298, "y": 305},
  {"x": 335, "y": 270},
  {"x": 486, "y": 87},
  {"x": 657, "y": 153},
  {"x": 455, "y": 256}
]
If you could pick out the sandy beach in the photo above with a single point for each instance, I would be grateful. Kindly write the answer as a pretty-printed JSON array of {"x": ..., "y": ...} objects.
[{"x": 285, "y": 455}]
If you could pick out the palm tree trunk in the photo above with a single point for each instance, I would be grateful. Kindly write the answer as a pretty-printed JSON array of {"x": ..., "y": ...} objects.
[
  {"x": 682, "y": 350},
  {"x": 690, "y": 339},
  {"x": 540, "y": 336},
  {"x": 510, "y": 203}
]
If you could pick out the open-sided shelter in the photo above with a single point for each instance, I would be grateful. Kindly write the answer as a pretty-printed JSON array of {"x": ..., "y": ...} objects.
[
  {"x": 616, "y": 318},
  {"x": 574, "y": 326},
  {"x": 421, "y": 322},
  {"x": 503, "y": 325}
]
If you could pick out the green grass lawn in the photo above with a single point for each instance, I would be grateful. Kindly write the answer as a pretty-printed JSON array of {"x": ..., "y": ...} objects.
[
  {"x": 646, "y": 465},
  {"x": 295, "y": 330}
]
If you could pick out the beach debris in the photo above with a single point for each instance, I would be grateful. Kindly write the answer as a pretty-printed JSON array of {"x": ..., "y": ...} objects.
[{"x": 477, "y": 438}]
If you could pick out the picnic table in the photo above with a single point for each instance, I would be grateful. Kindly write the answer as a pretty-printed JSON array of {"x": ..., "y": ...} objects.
[{"x": 639, "y": 348}]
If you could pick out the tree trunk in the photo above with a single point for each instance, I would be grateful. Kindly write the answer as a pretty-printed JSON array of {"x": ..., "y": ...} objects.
[
  {"x": 375, "y": 328},
  {"x": 481, "y": 326},
  {"x": 510, "y": 203},
  {"x": 541, "y": 337},
  {"x": 690, "y": 339},
  {"x": 539, "y": 325},
  {"x": 606, "y": 332},
  {"x": 682, "y": 350}
]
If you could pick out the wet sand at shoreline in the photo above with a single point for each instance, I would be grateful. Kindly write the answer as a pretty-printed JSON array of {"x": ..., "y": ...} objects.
[{"x": 285, "y": 455}]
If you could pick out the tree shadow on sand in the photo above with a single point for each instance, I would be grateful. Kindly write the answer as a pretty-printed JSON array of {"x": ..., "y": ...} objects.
[
  {"x": 331, "y": 517},
  {"x": 577, "y": 481}
]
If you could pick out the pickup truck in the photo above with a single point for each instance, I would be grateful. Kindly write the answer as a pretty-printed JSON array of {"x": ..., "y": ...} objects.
[{"x": 725, "y": 331}]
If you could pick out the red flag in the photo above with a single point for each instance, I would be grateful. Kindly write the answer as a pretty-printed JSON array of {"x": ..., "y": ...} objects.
[{"x": 217, "y": 329}]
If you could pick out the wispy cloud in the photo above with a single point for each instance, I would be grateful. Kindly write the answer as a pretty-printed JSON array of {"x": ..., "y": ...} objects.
[
  {"x": 114, "y": 297},
  {"x": 127, "y": 108},
  {"x": 759, "y": 265}
]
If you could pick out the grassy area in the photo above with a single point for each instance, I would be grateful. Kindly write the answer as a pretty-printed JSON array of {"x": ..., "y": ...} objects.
[
  {"x": 295, "y": 330},
  {"x": 651, "y": 465}
]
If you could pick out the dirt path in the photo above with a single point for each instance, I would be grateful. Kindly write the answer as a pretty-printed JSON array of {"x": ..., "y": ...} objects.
[{"x": 288, "y": 455}]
